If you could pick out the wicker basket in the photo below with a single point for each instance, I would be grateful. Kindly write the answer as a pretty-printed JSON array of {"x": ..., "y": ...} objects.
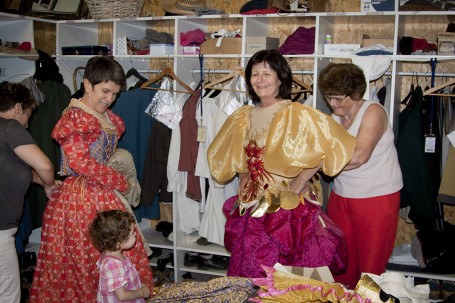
[{"x": 114, "y": 8}]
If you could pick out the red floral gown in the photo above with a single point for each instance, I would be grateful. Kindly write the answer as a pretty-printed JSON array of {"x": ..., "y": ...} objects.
[{"x": 66, "y": 268}]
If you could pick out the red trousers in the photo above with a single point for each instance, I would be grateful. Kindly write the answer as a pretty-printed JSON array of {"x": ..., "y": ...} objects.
[{"x": 370, "y": 226}]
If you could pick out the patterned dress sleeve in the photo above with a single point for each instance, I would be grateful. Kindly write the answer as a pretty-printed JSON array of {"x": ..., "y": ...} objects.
[
  {"x": 75, "y": 131},
  {"x": 302, "y": 137},
  {"x": 226, "y": 155}
]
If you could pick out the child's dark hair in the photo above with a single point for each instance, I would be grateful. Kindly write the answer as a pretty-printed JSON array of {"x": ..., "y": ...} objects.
[{"x": 110, "y": 228}]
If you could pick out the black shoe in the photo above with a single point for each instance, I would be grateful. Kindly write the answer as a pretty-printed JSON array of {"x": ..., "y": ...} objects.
[
  {"x": 156, "y": 253},
  {"x": 190, "y": 259},
  {"x": 162, "y": 262},
  {"x": 216, "y": 262},
  {"x": 165, "y": 228}
]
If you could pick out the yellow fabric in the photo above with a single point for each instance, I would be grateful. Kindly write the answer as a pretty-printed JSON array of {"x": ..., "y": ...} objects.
[
  {"x": 290, "y": 288},
  {"x": 302, "y": 136},
  {"x": 226, "y": 156}
]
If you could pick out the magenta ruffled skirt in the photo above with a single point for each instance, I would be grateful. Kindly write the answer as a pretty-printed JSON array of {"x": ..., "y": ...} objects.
[{"x": 304, "y": 236}]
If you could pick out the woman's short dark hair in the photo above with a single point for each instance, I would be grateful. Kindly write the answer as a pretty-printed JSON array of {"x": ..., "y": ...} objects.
[
  {"x": 110, "y": 228},
  {"x": 278, "y": 64},
  {"x": 104, "y": 69},
  {"x": 13, "y": 93},
  {"x": 342, "y": 79}
]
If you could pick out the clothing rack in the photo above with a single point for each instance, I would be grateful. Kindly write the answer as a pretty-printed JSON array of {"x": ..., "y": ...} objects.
[
  {"x": 310, "y": 72},
  {"x": 227, "y": 71},
  {"x": 304, "y": 72},
  {"x": 425, "y": 74}
]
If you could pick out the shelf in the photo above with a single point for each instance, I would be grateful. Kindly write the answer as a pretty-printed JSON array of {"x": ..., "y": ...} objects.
[
  {"x": 154, "y": 262},
  {"x": 414, "y": 271},
  {"x": 213, "y": 272},
  {"x": 154, "y": 238},
  {"x": 207, "y": 249}
]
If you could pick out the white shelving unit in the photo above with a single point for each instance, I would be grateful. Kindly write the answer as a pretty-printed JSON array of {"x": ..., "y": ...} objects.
[
  {"x": 16, "y": 67},
  {"x": 344, "y": 28}
]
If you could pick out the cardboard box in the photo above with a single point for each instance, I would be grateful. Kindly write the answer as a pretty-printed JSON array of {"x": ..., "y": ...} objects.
[
  {"x": 371, "y": 40},
  {"x": 446, "y": 43},
  {"x": 318, "y": 6},
  {"x": 340, "y": 49},
  {"x": 227, "y": 45},
  {"x": 318, "y": 273},
  {"x": 254, "y": 44},
  {"x": 161, "y": 49}
]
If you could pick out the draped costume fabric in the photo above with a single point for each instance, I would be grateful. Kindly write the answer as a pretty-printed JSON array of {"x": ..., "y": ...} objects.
[
  {"x": 285, "y": 138},
  {"x": 66, "y": 268}
]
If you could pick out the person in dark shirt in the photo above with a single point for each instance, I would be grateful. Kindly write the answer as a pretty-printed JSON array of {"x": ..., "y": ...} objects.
[{"x": 21, "y": 162}]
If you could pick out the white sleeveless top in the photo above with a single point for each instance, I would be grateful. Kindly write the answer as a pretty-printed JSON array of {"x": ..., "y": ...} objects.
[{"x": 381, "y": 175}]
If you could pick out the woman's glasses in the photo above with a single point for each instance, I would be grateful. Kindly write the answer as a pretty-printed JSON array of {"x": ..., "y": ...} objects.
[{"x": 337, "y": 99}]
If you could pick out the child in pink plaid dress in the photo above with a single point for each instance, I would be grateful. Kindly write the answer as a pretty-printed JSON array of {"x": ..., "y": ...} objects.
[{"x": 112, "y": 232}]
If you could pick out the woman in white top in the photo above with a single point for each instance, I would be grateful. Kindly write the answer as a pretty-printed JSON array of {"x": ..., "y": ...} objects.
[{"x": 365, "y": 199}]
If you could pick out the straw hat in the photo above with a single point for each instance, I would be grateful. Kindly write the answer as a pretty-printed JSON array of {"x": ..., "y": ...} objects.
[{"x": 182, "y": 7}]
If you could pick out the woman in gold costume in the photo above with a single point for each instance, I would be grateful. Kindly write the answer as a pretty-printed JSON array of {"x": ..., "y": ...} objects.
[{"x": 276, "y": 147}]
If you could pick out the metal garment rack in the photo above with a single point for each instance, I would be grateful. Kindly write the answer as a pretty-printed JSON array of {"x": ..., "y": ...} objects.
[{"x": 306, "y": 72}]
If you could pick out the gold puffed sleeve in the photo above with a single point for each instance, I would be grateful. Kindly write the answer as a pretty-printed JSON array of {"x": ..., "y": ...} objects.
[
  {"x": 226, "y": 155},
  {"x": 303, "y": 136}
]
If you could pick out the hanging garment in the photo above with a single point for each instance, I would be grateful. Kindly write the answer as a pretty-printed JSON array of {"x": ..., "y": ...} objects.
[
  {"x": 154, "y": 179},
  {"x": 130, "y": 105},
  {"x": 213, "y": 219},
  {"x": 188, "y": 214},
  {"x": 163, "y": 107},
  {"x": 447, "y": 190},
  {"x": 37, "y": 94},
  {"x": 417, "y": 188},
  {"x": 57, "y": 97},
  {"x": 189, "y": 146}
]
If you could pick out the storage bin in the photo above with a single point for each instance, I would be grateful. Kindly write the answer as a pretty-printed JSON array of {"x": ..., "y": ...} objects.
[
  {"x": 85, "y": 50},
  {"x": 229, "y": 45},
  {"x": 254, "y": 44},
  {"x": 114, "y": 8},
  {"x": 161, "y": 49}
]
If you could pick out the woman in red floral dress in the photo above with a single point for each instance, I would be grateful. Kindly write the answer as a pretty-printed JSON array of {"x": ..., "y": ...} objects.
[{"x": 88, "y": 133}]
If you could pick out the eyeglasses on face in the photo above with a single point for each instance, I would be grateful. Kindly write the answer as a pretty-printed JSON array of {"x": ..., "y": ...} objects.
[{"x": 337, "y": 99}]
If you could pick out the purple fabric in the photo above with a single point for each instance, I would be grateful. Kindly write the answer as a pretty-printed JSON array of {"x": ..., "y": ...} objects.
[
  {"x": 300, "y": 42},
  {"x": 291, "y": 237}
]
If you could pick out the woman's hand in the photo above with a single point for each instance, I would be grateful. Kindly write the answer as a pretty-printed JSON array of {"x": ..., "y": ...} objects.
[
  {"x": 49, "y": 189},
  {"x": 145, "y": 292},
  {"x": 299, "y": 184},
  {"x": 127, "y": 191}
]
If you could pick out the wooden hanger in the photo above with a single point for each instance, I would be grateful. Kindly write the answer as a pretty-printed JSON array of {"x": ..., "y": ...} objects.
[
  {"x": 303, "y": 86},
  {"x": 167, "y": 72},
  {"x": 235, "y": 72},
  {"x": 433, "y": 91}
]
